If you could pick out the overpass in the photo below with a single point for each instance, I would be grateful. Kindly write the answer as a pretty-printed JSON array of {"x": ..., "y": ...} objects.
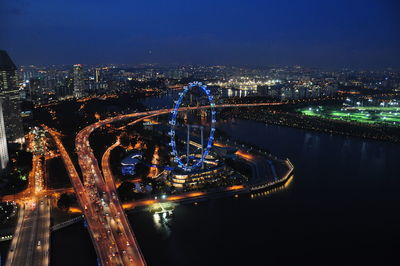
[{"x": 104, "y": 244}]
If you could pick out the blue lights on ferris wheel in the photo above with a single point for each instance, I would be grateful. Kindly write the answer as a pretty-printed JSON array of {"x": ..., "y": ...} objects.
[{"x": 172, "y": 122}]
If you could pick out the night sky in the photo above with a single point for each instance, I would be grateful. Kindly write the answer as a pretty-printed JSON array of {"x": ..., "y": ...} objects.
[{"x": 319, "y": 33}]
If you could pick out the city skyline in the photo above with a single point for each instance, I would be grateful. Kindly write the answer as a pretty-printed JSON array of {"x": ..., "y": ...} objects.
[
  {"x": 220, "y": 132},
  {"x": 355, "y": 34}
]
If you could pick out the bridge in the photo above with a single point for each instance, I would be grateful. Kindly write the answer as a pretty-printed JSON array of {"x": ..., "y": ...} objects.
[{"x": 66, "y": 223}]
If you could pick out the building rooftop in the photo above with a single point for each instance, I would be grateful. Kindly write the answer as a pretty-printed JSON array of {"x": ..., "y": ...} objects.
[
  {"x": 130, "y": 161},
  {"x": 132, "y": 158},
  {"x": 5, "y": 61}
]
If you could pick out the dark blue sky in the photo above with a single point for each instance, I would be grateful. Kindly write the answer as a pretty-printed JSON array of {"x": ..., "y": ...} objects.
[{"x": 321, "y": 33}]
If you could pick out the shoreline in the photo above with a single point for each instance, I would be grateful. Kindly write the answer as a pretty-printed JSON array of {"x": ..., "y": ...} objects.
[
  {"x": 324, "y": 130},
  {"x": 196, "y": 196}
]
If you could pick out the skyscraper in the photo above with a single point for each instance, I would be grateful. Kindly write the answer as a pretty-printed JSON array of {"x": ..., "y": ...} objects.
[
  {"x": 9, "y": 93},
  {"x": 3, "y": 141},
  {"x": 79, "y": 89},
  {"x": 97, "y": 79}
]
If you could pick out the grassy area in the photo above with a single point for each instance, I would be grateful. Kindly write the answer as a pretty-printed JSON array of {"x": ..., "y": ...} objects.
[{"x": 368, "y": 114}]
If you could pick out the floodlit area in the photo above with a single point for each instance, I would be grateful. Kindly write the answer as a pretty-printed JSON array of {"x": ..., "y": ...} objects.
[{"x": 369, "y": 114}]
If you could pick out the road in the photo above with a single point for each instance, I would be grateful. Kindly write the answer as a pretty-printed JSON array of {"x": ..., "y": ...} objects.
[
  {"x": 103, "y": 242},
  {"x": 37, "y": 176},
  {"x": 24, "y": 196},
  {"x": 113, "y": 238},
  {"x": 106, "y": 202},
  {"x": 31, "y": 243},
  {"x": 31, "y": 239}
]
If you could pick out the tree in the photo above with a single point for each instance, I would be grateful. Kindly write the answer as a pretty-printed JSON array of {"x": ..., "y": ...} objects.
[
  {"x": 126, "y": 192},
  {"x": 65, "y": 201}
]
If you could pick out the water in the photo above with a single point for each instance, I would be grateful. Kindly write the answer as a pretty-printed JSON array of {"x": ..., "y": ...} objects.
[
  {"x": 341, "y": 209},
  {"x": 4, "y": 248},
  {"x": 161, "y": 102},
  {"x": 72, "y": 245}
]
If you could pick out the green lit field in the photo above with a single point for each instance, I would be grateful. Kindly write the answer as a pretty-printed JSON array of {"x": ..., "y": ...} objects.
[{"x": 369, "y": 114}]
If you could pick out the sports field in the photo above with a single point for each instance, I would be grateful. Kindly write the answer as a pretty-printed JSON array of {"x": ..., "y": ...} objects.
[{"x": 369, "y": 114}]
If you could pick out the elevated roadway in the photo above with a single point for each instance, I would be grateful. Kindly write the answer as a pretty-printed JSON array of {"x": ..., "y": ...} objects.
[{"x": 103, "y": 242}]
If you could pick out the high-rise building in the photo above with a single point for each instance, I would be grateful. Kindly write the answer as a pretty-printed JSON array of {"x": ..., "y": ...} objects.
[
  {"x": 97, "y": 79},
  {"x": 79, "y": 86},
  {"x": 10, "y": 95},
  {"x": 3, "y": 142}
]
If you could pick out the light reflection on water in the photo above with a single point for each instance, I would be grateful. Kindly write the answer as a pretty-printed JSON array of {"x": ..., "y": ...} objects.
[
  {"x": 162, "y": 222},
  {"x": 162, "y": 216},
  {"x": 268, "y": 192}
]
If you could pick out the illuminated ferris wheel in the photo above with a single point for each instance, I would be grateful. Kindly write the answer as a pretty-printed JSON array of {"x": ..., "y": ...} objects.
[{"x": 190, "y": 166}]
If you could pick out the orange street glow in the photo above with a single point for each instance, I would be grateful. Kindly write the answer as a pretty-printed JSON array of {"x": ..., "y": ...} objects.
[
  {"x": 75, "y": 210},
  {"x": 237, "y": 187},
  {"x": 244, "y": 155},
  {"x": 217, "y": 144}
]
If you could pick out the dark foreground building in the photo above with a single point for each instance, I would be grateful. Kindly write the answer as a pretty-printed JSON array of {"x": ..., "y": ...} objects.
[{"x": 9, "y": 94}]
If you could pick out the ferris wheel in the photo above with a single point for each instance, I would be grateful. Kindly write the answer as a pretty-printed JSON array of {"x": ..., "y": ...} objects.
[{"x": 188, "y": 166}]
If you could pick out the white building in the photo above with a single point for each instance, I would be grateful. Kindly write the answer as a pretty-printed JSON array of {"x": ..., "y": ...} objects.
[{"x": 3, "y": 141}]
